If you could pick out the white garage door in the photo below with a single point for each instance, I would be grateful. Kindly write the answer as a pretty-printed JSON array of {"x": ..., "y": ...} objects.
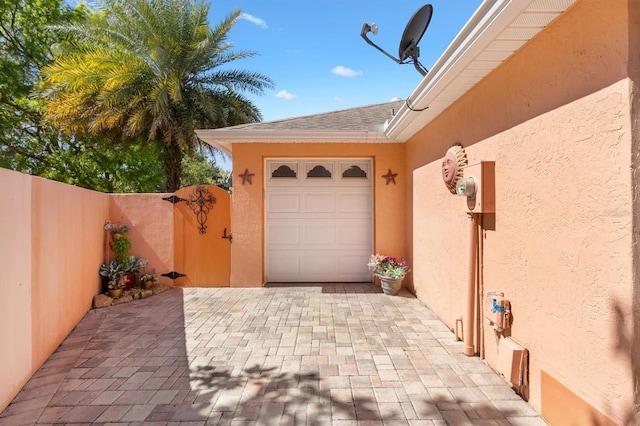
[{"x": 319, "y": 221}]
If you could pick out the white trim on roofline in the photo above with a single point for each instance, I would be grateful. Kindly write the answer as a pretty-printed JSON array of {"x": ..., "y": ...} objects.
[
  {"x": 495, "y": 31},
  {"x": 223, "y": 138}
]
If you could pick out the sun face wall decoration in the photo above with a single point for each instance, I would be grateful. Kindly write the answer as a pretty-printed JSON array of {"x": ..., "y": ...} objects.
[{"x": 452, "y": 163}]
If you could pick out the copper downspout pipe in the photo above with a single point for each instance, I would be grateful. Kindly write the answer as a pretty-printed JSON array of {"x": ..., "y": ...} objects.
[{"x": 469, "y": 318}]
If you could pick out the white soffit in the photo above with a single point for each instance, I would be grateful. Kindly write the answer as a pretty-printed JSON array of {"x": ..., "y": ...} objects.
[
  {"x": 494, "y": 32},
  {"x": 222, "y": 145},
  {"x": 223, "y": 138}
]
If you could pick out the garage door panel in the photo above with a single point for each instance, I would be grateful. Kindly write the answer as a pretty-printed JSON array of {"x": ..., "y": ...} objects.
[
  {"x": 320, "y": 265},
  {"x": 298, "y": 234},
  {"x": 316, "y": 233},
  {"x": 284, "y": 266},
  {"x": 283, "y": 202},
  {"x": 353, "y": 232},
  {"x": 283, "y": 234},
  {"x": 318, "y": 202},
  {"x": 355, "y": 265},
  {"x": 354, "y": 202}
]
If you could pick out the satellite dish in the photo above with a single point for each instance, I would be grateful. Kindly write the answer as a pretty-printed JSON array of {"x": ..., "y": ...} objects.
[{"x": 412, "y": 35}]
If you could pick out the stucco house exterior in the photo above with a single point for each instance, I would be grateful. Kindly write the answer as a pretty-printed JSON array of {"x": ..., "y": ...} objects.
[
  {"x": 540, "y": 278},
  {"x": 544, "y": 91}
]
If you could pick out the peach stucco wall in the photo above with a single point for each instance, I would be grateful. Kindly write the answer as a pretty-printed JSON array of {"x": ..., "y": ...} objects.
[
  {"x": 247, "y": 204},
  {"x": 50, "y": 247},
  {"x": 152, "y": 230},
  {"x": 556, "y": 120},
  {"x": 52, "y": 242}
]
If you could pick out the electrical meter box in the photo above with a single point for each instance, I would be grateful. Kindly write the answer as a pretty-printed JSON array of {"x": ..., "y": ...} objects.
[{"x": 484, "y": 176}]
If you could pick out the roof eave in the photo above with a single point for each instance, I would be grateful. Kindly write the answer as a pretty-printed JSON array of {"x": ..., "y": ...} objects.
[
  {"x": 223, "y": 140},
  {"x": 468, "y": 59}
]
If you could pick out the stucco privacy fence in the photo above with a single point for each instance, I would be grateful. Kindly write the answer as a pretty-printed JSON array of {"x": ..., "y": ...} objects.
[{"x": 52, "y": 242}]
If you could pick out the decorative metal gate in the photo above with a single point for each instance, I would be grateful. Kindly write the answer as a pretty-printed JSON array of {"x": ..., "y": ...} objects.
[{"x": 202, "y": 248}]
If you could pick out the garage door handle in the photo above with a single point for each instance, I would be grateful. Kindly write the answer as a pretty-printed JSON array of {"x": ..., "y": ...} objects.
[{"x": 225, "y": 236}]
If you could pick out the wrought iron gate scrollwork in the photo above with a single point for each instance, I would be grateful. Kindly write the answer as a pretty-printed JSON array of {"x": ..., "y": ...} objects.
[{"x": 201, "y": 202}]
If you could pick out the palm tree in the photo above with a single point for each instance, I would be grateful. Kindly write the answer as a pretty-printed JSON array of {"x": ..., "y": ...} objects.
[{"x": 151, "y": 68}]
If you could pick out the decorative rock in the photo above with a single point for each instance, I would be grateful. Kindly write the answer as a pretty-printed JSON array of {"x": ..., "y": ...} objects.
[
  {"x": 160, "y": 288},
  {"x": 123, "y": 299},
  {"x": 102, "y": 301}
]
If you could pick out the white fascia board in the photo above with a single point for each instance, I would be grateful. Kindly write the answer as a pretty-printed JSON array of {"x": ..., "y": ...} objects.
[
  {"x": 223, "y": 138},
  {"x": 491, "y": 18}
]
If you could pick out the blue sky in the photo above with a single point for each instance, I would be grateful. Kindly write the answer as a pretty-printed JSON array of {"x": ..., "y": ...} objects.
[{"x": 313, "y": 51}]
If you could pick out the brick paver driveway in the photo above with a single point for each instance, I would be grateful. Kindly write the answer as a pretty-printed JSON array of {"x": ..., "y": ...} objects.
[{"x": 312, "y": 355}]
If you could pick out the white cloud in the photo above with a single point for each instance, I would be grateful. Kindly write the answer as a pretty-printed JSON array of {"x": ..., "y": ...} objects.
[
  {"x": 254, "y": 20},
  {"x": 345, "y": 72},
  {"x": 338, "y": 99},
  {"x": 283, "y": 94}
]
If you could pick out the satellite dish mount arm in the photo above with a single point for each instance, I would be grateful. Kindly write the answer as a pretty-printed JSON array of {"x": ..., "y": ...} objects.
[
  {"x": 413, "y": 51},
  {"x": 409, "y": 42},
  {"x": 366, "y": 28}
]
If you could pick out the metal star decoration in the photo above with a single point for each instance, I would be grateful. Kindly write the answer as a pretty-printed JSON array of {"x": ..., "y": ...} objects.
[
  {"x": 390, "y": 177},
  {"x": 246, "y": 176}
]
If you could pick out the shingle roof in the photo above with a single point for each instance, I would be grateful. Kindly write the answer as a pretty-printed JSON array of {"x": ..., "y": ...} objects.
[
  {"x": 370, "y": 117},
  {"x": 362, "y": 124}
]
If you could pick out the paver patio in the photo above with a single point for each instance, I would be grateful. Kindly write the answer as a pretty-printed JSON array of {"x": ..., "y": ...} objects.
[{"x": 340, "y": 354}]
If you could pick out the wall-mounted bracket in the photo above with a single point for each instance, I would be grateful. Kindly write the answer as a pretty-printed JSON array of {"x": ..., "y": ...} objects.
[
  {"x": 174, "y": 275},
  {"x": 173, "y": 199}
]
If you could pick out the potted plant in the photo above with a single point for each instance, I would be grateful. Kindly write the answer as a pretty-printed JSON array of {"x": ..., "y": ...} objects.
[
  {"x": 116, "y": 286},
  {"x": 131, "y": 267},
  {"x": 135, "y": 264},
  {"x": 149, "y": 280},
  {"x": 124, "y": 269},
  {"x": 390, "y": 270},
  {"x": 121, "y": 246},
  {"x": 114, "y": 273},
  {"x": 116, "y": 229}
]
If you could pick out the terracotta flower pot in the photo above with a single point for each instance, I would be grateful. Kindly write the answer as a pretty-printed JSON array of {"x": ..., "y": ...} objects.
[{"x": 115, "y": 293}]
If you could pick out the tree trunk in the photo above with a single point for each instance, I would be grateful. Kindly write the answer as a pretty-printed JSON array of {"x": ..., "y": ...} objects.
[{"x": 172, "y": 163}]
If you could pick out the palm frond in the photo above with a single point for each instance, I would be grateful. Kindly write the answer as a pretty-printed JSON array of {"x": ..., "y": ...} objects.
[{"x": 152, "y": 68}]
